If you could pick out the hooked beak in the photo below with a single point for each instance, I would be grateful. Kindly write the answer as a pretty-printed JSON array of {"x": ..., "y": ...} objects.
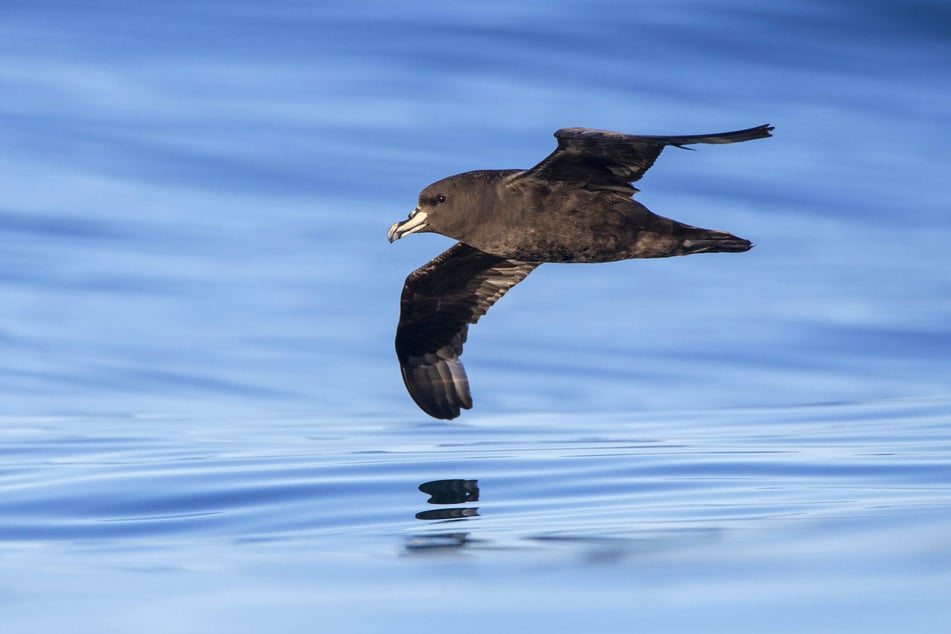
[{"x": 415, "y": 222}]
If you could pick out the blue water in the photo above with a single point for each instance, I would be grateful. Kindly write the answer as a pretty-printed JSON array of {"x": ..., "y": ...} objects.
[{"x": 202, "y": 422}]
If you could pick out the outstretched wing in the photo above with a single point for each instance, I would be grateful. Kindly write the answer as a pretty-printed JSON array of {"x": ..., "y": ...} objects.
[
  {"x": 612, "y": 160},
  {"x": 439, "y": 301}
]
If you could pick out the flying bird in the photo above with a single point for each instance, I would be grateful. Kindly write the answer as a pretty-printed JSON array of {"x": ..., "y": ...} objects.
[{"x": 575, "y": 206}]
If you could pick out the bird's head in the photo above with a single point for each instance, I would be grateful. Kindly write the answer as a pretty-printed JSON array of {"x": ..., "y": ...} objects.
[{"x": 444, "y": 207}]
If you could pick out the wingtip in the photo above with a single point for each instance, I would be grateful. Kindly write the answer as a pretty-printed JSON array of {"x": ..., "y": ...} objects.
[
  {"x": 439, "y": 387},
  {"x": 443, "y": 411},
  {"x": 759, "y": 132},
  {"x": 443, "y": 415}
]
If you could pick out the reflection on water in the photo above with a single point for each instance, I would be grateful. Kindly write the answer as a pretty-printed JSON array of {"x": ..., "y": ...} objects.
[
  {"x": 436, "y": 542},
  {"x": 451, "y": 491},
  {"x": 852, "y": 498},
  {"x": 447, "y": 514}
]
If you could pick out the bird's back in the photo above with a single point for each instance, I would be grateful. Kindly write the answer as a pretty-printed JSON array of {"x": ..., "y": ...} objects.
[{"x": 554, "y": 221}]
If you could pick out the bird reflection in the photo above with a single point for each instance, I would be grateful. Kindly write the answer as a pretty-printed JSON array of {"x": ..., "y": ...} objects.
[
  {"x": 447, "y": 514},
  {"x": 451, "y": 491},
  {"x": 454, "y": 491},
  {"x": 436, "y": 541}
]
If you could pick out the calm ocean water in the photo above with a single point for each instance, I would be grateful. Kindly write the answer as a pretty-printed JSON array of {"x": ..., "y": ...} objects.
[{"x": 202, "y": 423}]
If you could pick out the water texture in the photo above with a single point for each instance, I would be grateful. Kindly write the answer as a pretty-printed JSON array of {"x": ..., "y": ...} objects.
[{"x": 202, "y": 423}]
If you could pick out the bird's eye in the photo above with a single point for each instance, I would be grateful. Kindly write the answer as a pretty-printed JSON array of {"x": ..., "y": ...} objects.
[{"x": 440, "y": 198}]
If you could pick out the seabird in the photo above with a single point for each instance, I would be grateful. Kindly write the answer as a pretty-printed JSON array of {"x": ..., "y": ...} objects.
[{"x": 574, "y": 206}]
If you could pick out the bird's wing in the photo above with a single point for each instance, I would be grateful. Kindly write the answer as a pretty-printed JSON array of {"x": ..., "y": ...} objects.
[
  {"x": 602, "y": 159},
  {"x": 439, "y": 301}
]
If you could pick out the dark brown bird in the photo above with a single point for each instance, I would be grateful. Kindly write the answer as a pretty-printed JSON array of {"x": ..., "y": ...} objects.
[{"x": 575, "y": 206}]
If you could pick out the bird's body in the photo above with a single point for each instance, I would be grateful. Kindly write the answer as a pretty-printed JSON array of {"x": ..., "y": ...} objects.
[
  {"x": 575, "y": 206},
  {"x": 536, "y": 220}
]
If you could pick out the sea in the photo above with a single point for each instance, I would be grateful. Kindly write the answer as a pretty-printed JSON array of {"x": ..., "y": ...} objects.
[{"x": 203, "y": 428}]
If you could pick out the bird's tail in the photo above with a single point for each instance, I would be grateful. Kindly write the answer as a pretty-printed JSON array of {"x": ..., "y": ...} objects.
[{"x": 697, "y": 240}]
